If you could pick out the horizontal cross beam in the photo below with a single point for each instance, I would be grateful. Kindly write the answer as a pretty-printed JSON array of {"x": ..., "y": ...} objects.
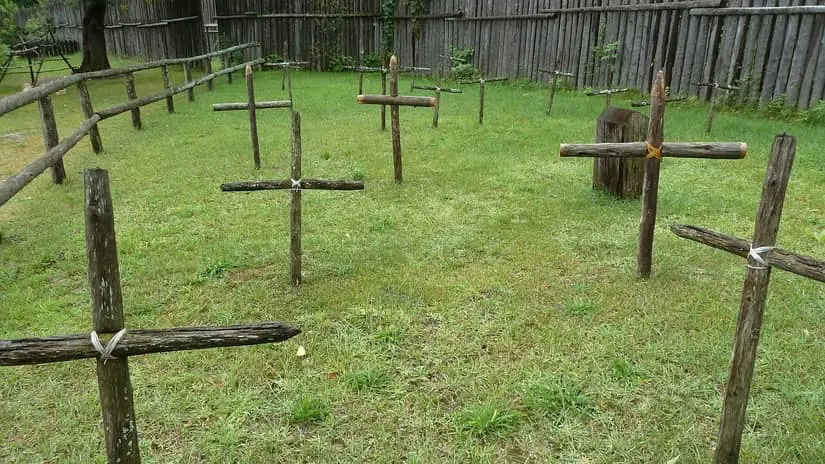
[
  {"x": 305, "y": 184},
  {"x": 479, "y": 81},
  {"x": 435, "y": 87},
  {"x": 711, "y": 150},
  {"x": 287, "y": 64},
  {"x": 804, "y": 266},
  {"x": 136, "y": 342},
  {"x": 401, "y": 70},
  {"x": 647, "y": 103},
  {"x": 715, "y": 85},
  {"x": 428, "y": 102},
  {"x": 557, "y": 73},
  {"x": 245, "y": 106},
  {"x": 595, "y": 93}
]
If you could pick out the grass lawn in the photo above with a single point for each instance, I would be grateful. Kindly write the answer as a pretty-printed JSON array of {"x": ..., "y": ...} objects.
[{"x": 486, "y": 310}]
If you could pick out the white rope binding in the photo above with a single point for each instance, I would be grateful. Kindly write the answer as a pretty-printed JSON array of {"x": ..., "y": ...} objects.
[
  {"x": 106, "y": 352},
  {"x": 296, "y": 184},
  {"x": 756, "y": 254}
]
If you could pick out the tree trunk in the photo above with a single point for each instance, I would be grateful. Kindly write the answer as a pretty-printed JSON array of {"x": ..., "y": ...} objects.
[{"x": 94, "y": 38}]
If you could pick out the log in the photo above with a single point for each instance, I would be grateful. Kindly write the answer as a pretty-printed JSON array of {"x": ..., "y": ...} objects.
[
  {"x": 306, "y": 184},
  {"x": 435, "y": 87},
  {"x": 802, "y": 265},
  {"x": 650, "y": 185},
  {"x": 131, "y": 94},
  {"x": 709, "y": 150},
  {"x": 427, "y": 102},
  {"x": 142, "y": 341},
  {"x": 51, "y": 138},
  {"x": 13, "y": 184},
  {"x": 682, "y": 5},
  {"x": 167, "y": 84},
  {"x": 88, "y": 111},
  {"x": 620, "y": 177},
  {"x": 245, "y": 106},
  {"x": 762, "y": 10},
  {"x": 295, "y": 203},
  {"x": 114, "y": 383},
  {"x": 752, "y": 308}
]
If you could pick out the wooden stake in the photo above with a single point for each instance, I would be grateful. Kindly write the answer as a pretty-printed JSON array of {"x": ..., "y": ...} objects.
[
  {"x": 396, "y": 123},
  {"x": 227, "y": 63},
  {"x": 435, "y": 108},
  {"x": 116, "y": 396},
  {"x": 650, "y": 188},
  {"x": 383, "y": 92},
  {"x": 481, "y": 104},
  {"x": 167, "y": 84},
  {"x": 711, "y": 110},
  {"x": 187, "y": 76},
  {"x": 131, "y": 94},
  {"x": 754, "y": 296},
  {"x": 88, "y": 111},
  {"x": 295, "y": 203},
  {"x": 50, "y": 137},
  {"x": 210, "y": 84},
  {"x": 253, "y": 118}
]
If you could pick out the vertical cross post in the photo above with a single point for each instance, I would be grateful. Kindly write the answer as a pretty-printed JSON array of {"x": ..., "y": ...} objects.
[
  {"x": 555, "y": 74},
  {"x": 116, "y": 396},
  {"x": 650, "y": 184},
  {"x": 384, "y": 92},
  {"x": 227, "y": 63},
  {"x": 607, "y": 94},
  {"x": 360, "y": 65},
  {"x": 482, "y": 90},
  {"x": 295, "y": 202},
  {"x": 396, "y": 123},
  {"x": 131, "y": 94},
  {"x": 88, "y": 111},
  {"x": 754, "y": 296},
  {"x": 210, "y": 84},
  {"x": 187, "y": 76},
  {"x": 436, "y": 107},
  {"x": 714, "y": 99},
  {"x": 51, "y": 137},
  {"x": 167, "y": 84},
  {"x": 253, "y": 117}
]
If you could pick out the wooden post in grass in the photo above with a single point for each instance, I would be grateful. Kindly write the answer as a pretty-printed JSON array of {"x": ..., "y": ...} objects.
[
  {"x": 210, "y": 84},
  {"x": 131, "y": 94},
  {"x": 653, "y": 150},
  {"x": 51, "y": 137},
  {"x": 482, "y": 83},
  {"x": 88, "y": 111},
  {"x": 607, "y": 93},
  {"x": 114, "y": 381},
  {"x": 555, "y": 74},
  {"x": 438, "y": 90},
  {"x": 395, "y": 101},
  {"x": 252, "y": 106},
  {"x": 167, "y": 84},
  {"x": 187, "y": 77},
  {"x": 620, "y": 177},
  {"x": 762, "y": 255},
  {"x": 227, "y": 63},
  {"x": 714, "y": 99},
  {"x": 296, "y": 184}
]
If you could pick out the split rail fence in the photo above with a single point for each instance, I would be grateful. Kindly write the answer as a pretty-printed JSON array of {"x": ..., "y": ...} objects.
[
  {"x": 771, "y": 49},
  {"x": 56, "y": 149}
]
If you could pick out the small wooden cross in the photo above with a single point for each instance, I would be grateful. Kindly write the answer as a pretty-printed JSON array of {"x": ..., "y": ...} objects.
[
  {"x": 287, "y": 66},
  {"x": 437, "y": 89},
  {"x": 714, "y": 99},
  {"x": 553, "y": 82},
  {"x": 482, "y": 82},
  {"x": 395, "y": 101},
  {"x": 383, "y": 70},
  {"x": 653, "y": 150},
  {"x": 114, "y": 382},
  {"x": 295, "y": 184},
  {"x": 251, "y": 106},
  {"x": 762, "y": 255},
  {"x": 607, "y": 93},
  {"x": 643, "y": 103}
]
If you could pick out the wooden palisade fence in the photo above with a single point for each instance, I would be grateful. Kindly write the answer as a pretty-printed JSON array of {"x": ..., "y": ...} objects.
[
  {"x": 771, "y": 49},
  {"x": 56, "y": 150}
]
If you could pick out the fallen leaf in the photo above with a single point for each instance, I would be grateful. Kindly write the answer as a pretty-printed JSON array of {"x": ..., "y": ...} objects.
[{"x": 301, "y": 351}]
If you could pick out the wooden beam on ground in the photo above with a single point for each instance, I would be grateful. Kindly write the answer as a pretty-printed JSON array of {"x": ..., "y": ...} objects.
[{"x": 709, "y": 150}]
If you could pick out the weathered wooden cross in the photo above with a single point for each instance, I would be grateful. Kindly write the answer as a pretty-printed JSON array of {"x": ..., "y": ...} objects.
[
  {"x": 714, "y": 99},
  {"x": 383, "y": 70},
  {"x": 252, "y": 106},
  {"x": 643, "y": 103},
  {"x": 553, "y": 83},
  {"x": 762, "y": 254},
  {"x": 287, "y": 66},
  {"x": 112, "y": 352},
  {"x": 653, "y": 150},
  {"x": 295, "y": 184},
  {"x": 607, "y": 93},
  {"x": 395, "y": 101},
  {"x": 482, "y": 82},
  {"x": 437, "y": 89}
]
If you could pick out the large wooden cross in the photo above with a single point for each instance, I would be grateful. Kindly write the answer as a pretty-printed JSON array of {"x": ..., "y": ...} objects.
[
  {"x": 762, "y": 254},
  {"x": 553, "y": 83},
  {"x": 653, "y": 150},
  {"x": 112, "y": 352},
  {"x": 295, "y": 184},
  {"x": 395, "y": 101},
  {"x": 252, "y": 106},
  {"x": 714, "y": 99}
]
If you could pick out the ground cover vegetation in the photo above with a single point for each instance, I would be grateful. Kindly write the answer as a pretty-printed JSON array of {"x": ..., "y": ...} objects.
[{"x": 486, "y": 310}]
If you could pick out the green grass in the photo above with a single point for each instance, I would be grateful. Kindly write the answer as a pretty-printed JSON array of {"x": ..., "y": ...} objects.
[{"x": 492, "y": 288}]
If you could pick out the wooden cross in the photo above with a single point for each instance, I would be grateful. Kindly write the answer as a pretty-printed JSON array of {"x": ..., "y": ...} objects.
[
  {"x": 762, "y": 255},
  {"x": 295, "y": 184},
  {"x": 383, "y": 70},
  {"x": 395, "y": 102},
  {"x": 714, "y": 99},
  {"x": 608, "y": 93},
  {"x": 481, "y": 89},
  {"x": 114, "y": 382},
  {"x": 437, "y": 89},
  {"x": 553, "y": 81},
  {"x": 287, "y": 66},
  {"x": 251, "y": 106},
  {"x": 653, "y": 150}
]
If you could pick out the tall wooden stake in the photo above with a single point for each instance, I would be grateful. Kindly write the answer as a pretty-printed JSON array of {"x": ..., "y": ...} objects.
[
  {"x": 754, "y": 296},
  {"x": 481, "y": 104},
  {"x": 227, "y": 63},
  {"x": 650, "y": 188},
  {"x": 436, "y": 107},
  {"x": 116, "y": 397},
  {"x": 88, "y": 111},
  {"x": 167, "y": 84},
  {"x": 384, "y": 92},
  {"x": 131, "y": 94},
  {"x": 253, "y": 117},
  {"x": 295, "y": 203},
  {"x": 187, "y": 76},
  {"x": 210, "y": 84},
  {"x": 396, "y": 124},
  {"x": 50, "y": 137}
]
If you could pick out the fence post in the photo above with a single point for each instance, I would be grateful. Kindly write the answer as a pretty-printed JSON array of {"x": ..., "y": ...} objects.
[
  {"x": 187, "y": 76},
  {"x": 86, "y": 106},
  {"x": 227, "y": 63},
  {"x": 50, "y": 137},
  {"x": 170, "y": 101},
  {"x": 210, "y": 84},
  {"x": 131, "y": 94}
]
